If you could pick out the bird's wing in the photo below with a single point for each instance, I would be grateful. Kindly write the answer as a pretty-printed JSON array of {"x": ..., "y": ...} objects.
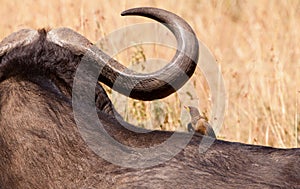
[{"x": 209, "y": 131}]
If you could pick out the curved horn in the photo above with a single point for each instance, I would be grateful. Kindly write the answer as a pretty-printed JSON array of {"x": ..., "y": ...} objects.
[
  {"x": 17, "y": 39},
  {"x": 151, "y": 86}
]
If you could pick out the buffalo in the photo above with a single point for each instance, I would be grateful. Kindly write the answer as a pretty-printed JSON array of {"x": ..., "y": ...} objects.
[{"x": 41, "y": 145}]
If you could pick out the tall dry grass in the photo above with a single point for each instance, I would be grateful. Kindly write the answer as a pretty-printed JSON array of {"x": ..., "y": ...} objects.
[{"x": 256, "y": 44}]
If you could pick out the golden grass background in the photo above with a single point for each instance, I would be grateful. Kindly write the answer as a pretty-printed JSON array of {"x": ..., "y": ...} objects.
[{"x": 256, "y": 44}]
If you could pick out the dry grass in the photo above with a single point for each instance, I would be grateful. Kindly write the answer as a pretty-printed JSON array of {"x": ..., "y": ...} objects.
[{"x": 256, "y": 44}]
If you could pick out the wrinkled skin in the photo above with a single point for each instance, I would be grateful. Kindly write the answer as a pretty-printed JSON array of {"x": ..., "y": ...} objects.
[{"x": 41, "y": 146}]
